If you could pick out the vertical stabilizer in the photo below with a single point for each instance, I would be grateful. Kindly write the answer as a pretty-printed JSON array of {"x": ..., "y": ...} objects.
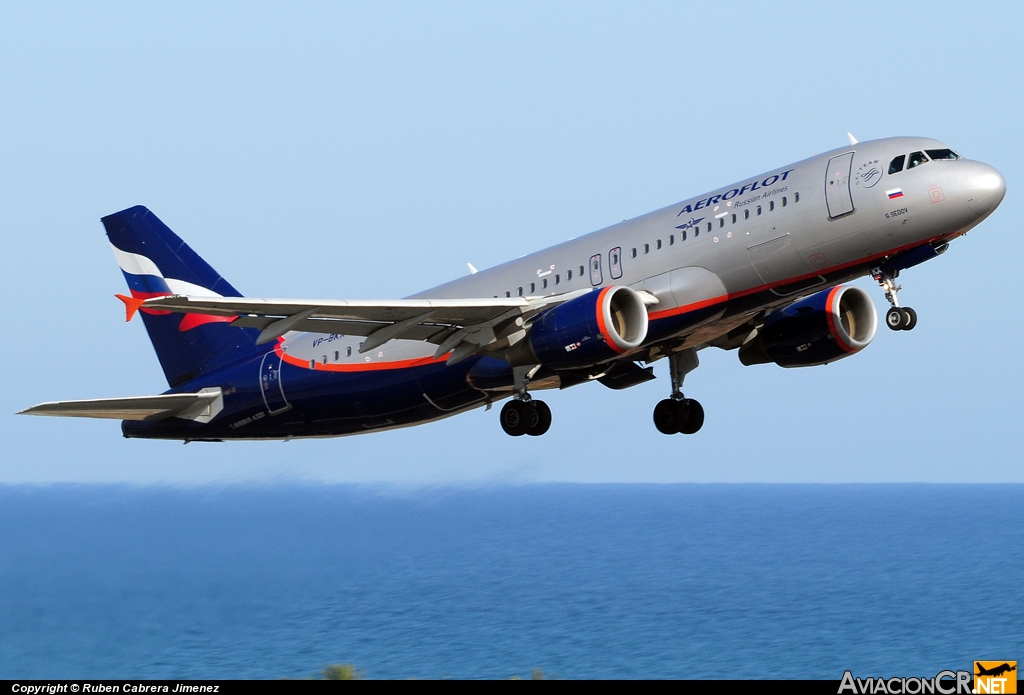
[{"x": 156, "y": 263}]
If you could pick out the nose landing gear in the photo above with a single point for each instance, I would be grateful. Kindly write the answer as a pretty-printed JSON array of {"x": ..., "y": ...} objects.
[
  {"x": 523, "y": 415},
  {"x": 898, "y": 318},
  {"x": 679, "y": 415}
]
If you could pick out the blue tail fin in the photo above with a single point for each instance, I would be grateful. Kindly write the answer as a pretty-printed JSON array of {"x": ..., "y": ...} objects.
[{"x": 156, "y": 262}]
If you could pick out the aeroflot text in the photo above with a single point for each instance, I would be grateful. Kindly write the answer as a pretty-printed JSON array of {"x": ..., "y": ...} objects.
[
  {"x": 729, "y": 195},
  {"x": 942, "y": 683}
]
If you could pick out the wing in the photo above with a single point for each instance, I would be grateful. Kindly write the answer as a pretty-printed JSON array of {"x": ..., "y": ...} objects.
[
  {"x": 202, "y": 407},
  {"x": 463, "y": 326}
]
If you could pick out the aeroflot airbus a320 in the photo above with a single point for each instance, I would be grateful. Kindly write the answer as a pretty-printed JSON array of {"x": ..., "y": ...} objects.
[{"x": 754, "y": 266}]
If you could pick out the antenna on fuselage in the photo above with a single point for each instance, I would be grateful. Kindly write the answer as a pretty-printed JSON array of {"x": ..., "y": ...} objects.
[
  {"x": 853, "y": 140},
  {"x": 472, "y": 270}
]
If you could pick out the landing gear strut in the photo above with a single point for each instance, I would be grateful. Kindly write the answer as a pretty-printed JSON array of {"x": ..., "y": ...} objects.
[
  {"x": 523, "y": 415},
  {"x": 678, "y": 414},
  {"x": 898, "y": 318}
]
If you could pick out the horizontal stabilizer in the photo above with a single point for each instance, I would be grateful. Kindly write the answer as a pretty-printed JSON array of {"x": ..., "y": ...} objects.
[{"x": 201, "y": 407}]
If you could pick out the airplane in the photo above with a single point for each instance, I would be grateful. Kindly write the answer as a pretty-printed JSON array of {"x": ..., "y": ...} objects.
[
  {"x": 757, "y": 266},
  {"x": 996, "y": 671}
]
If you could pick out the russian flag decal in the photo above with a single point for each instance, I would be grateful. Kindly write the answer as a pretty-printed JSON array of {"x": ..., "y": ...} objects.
[{"x": 895, "y": 193}]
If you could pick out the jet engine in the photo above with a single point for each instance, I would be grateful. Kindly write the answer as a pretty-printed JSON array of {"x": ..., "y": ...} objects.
[
  {"x": 822, "y": 328},
  {"x": 584, "y": 331}
]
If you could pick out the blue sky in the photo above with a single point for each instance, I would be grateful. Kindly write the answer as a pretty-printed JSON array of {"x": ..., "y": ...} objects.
[{"x": 372, "y": 149}]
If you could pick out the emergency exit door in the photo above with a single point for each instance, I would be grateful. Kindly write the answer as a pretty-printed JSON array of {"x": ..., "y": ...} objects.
[{"x": 837, "y": 185}]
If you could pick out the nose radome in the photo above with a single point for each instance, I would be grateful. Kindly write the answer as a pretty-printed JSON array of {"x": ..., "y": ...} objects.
[{"x": 983, "y": 187}]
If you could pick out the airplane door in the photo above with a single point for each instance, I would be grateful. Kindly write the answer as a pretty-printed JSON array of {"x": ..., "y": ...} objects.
[
  {"x": 595, "y": 270},
  {"x": 837, "y": 185},
  {"x": 615, "y": 262},
  {"x": 271, "y": 385}
]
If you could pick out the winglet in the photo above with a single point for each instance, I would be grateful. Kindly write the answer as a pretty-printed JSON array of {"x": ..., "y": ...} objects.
[{"x": 131, "y": 305}]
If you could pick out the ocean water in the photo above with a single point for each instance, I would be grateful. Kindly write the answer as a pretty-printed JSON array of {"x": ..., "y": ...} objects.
[{"x": 690, "y": 581}]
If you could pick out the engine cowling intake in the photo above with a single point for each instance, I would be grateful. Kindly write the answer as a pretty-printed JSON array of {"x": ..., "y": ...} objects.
[
  {"x": 822, "y": 328},
  {"x": 584, "y": 331}
]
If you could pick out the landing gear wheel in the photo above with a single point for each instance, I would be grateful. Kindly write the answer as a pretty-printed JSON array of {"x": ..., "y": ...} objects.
[
  {"x": 517, "y": 417},
  {"x": 694, "y": 416},
  {"x": 909, "y": 318},
  {"x": 666, "y": 416},
  {"x": 543, "y": 421},
  {"x": 895, "y": 318}
]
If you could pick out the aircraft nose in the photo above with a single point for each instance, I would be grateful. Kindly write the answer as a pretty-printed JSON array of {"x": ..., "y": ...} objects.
[{"x": 983, "y": 187}]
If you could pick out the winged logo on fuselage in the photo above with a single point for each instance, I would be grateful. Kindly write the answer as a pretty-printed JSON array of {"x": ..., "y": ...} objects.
[{"x": 691, "y": 224}]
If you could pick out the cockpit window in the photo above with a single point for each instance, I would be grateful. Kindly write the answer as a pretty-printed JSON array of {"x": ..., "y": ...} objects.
[
  {"x": 944, "y": 153},
  {"x": 896, "y": 165},
  {"x": 916, "y": 160}
]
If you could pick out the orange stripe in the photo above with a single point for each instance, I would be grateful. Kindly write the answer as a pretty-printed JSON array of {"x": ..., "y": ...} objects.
[
  {"x": 359, "y": 367},
  {"x": 832, "y": 321},
  {"x": 760, "y": 288},
  {"x": 601, "y": 325}
]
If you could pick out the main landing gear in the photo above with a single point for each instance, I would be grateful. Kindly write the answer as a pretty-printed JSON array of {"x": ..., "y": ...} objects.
[
  {"x": 523, "y": 415},
  {"x": 678, "y": 414},
  {"x": 898, "y": 318}
]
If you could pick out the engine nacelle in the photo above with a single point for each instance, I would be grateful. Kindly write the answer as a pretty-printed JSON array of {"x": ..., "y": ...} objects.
[
  {"x": 823, "y": 328},
  {"x": 584, "y": 331}
]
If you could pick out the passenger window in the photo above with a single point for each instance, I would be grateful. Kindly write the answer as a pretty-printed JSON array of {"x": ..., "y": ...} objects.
[
  {"x": 709, "y": 226},
  {"x": 508, "y": 294},
  {"x": 337, "y": 356},
  {"x": 325, "y": 359},
  {"x": 721, "y": 222},
  {"x": 520, "y": 291},
  {"x": 783, "y": 201},
  {"x": 312, "y": 364},
  {"x": 348, "y": 352},
  {"x": 682, "y": 235},
  {"x": 944, "y": 153},
  {"x": 796, "y": 197},
  {"x": 659, "y": 243},
  {"x": 746, "y": 214},
  {"x": 696, "y": 230},
  {"x": 568, "y": 275},
  {"x": 545, "y": 285},
  {"x": 533, "y": 287},
  {"x": 734, "y": 218},
  {"x": 916, "y": 160},
  {"x": 896, "y": 165},
  {"x": 634, "y": 252},
  {"x": 771, "y": 205},
  {"x": 647, "y": 248},
  {"x": 671, "y": 239},
  {"x": 581, "y": 271},
  {"x": 557, "y": 280},
  {"x": 758, "y": 209}
]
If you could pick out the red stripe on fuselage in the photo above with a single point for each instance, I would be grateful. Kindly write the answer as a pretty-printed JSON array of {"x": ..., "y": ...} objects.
[
  {"x": 686, "y": 308},
  {"x": 357, "y": 367}
]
